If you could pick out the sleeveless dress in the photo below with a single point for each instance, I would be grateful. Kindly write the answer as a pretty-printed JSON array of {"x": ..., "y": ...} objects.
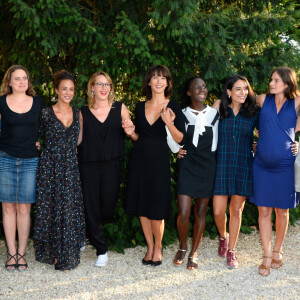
[
  {"x": 234, "y": 155},
  {"x": 273, "y": 170},
  {"x": 149, "y": 174},
  {"x": 59, "y": 229},
  {"x": 196, "y": 170}
]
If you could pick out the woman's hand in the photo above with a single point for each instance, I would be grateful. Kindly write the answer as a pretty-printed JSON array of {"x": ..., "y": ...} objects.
[
  {"x": 295, "y": 148},
  {"x": 167, "y": 115},
  {"x": 128, "y": 127},
  {"x": 181, "y": 153},
  {"x": 38, "y": 145}
]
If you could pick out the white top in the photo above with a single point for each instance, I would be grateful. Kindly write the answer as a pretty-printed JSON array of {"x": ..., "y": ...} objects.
[{"x": 200, "y": 119}]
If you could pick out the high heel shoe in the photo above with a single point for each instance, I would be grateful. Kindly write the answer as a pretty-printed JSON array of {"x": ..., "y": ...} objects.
[{"x": 12, "y": 267}]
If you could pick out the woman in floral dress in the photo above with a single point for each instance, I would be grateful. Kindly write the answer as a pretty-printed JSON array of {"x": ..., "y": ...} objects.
[{"x": 59, "y": 225}]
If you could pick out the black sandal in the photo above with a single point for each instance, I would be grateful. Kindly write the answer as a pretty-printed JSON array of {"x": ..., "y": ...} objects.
[
  {"x": 12, "y": 267},
  {"x": 21, "y": 265}
]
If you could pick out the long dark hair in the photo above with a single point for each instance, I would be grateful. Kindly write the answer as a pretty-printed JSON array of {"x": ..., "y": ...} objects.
[
  {"x": 248, "y": 108},
  {"x": 185, "y": 98}
]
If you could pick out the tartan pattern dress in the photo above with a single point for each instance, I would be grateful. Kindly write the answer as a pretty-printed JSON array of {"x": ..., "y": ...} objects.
[{"x": 234, "y": 156}]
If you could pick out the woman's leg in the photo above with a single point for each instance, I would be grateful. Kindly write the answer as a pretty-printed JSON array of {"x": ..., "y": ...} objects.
[
  {"x": 219, "y": 206},
  {"x": 9, "y": 213},
  {"x": 236, "y": 209},
  {"x": 147, "y": 230},
  {"x": 158, "y": 227},
  {"x": 265, "y": 228},
  {"x": 200, "y": 210},
  {"x": 282, "y": 222},
  {"x": 183, "y": 219},
  {"x": 23, "y": 226}
]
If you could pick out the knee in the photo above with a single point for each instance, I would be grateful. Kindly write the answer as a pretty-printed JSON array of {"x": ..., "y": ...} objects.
[
  {"x": 236, "y": 212},
  {"x": 265, "y": 213},
  {"x": 23, "y": 210},
  {"x": 282, "y": 213},
  {"x": 200, "y": 212},
  {"x": 183, "y": 215},
  {"x": 9, "y": 209},
  {"x": 219, "y": 213}
]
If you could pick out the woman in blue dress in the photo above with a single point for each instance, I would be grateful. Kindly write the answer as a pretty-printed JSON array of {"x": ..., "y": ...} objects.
[
  {"x": 238, "y": 118},
  {"x": 273, "y": 169}
]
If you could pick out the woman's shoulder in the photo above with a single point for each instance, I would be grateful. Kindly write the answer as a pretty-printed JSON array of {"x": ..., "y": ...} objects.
[{"x": 174, "y": 105}]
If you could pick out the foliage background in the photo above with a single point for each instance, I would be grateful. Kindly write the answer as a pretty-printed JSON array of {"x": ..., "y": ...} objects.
[{"x": 211, "y": 39}]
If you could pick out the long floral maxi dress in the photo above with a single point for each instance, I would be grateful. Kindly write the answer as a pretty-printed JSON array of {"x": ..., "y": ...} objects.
[{"x": 59, "y": 229}]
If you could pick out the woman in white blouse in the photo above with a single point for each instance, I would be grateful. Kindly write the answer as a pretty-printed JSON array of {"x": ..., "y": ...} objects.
[{"x": 196, "y": 167}]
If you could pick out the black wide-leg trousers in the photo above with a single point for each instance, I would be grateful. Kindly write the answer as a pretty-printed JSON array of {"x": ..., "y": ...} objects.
[{"x": 100, "y": 187}]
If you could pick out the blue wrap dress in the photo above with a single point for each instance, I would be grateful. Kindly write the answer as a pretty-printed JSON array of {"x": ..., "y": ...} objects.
[{"x": 273, "y": 169}]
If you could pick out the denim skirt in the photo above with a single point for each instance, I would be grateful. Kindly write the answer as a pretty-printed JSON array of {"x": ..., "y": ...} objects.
[{"x": 17, "y": 179}]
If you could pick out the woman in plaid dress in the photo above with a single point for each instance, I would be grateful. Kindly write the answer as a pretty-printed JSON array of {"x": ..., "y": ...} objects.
[{"x": 238, "y": 118}]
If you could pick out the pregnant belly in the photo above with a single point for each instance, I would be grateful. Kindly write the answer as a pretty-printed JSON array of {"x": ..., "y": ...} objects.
[{"x": 275, "y": 154}]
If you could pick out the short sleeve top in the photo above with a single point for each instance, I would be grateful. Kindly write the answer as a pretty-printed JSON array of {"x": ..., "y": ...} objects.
[{"x": 19, "y": 131}]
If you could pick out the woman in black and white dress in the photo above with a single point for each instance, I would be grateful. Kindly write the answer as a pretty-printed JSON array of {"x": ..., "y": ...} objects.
[{"x": 196, "y": 167}]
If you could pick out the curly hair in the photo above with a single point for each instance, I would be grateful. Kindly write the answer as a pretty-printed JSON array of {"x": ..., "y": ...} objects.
[
  {"x": 61, "y": 75},
  {"x": 248, "y": 108},
  {"x": 159, "y": 70},
  {"x": 6, "y": 88}
]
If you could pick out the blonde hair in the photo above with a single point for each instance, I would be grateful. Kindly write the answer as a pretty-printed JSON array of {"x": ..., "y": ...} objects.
[
  {"x": 6, "y": 88},
  {"x": 91, "y": 98}
]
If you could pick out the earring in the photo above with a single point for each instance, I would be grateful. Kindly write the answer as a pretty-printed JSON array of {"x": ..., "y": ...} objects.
[
  {"x": 53, "y": 99},
  {"x": 93, "y": 93},
  {"x": 229, "y": 97}
]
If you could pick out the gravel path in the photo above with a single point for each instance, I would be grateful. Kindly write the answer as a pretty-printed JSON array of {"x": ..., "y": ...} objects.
[{"x": 126, "y": 278}]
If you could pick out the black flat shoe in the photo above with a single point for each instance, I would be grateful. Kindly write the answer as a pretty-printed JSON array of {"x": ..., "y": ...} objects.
[
  {"x": 156, "y": 263},
  {"x": 147, "y": 262}
]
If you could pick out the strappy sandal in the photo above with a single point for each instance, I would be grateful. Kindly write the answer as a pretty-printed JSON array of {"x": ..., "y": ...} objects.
[
  {"x": 179, "y": 257},
  {"x": 277, "y": 261},
  {"x": 21, "y": 265},
  {"x": 192, "y": 263},
  {"x": 12, "y": 267},
  {"x": 264, "y": 267}
]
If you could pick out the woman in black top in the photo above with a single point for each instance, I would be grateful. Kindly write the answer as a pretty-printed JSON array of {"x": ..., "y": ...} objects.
[
  {"x": 101, "y": 158},
  {"x": 19, "y": 112}
]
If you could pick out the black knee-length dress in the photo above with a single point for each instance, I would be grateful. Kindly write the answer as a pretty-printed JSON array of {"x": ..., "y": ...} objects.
[
  {"x": 196, "y": 170},
  {"x": 149, "y": 174}
]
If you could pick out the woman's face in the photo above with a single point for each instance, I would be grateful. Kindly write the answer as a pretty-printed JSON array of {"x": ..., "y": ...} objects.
[
  {"x": 158, "y": 83},
  {"x": 65, "y": 91},
  {"x": 19, "y": 81},
  {"x": 239, "y": 92},
  {"x": 197, "y": 90},
  {"x": 101, "y": 87},
  {"x": 277, "y": 86}
]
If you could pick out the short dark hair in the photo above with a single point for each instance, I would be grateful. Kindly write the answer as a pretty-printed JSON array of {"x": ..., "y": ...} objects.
[
  {"x": 159, "y": 70},
  {"x": 248, "y": 108},
  {"x": 185, "y": 99},
  {"x": 61, "y": 75},
  {"x": 289, "y": 77}
]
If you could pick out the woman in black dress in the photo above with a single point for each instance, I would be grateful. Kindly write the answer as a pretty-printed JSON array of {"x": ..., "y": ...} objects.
[
  {"x": 101, "y": 158},
  {"x": 196, "y": 168},
  {"x": 59, "y": 229},
  {"x": 149, "y": 176}
]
